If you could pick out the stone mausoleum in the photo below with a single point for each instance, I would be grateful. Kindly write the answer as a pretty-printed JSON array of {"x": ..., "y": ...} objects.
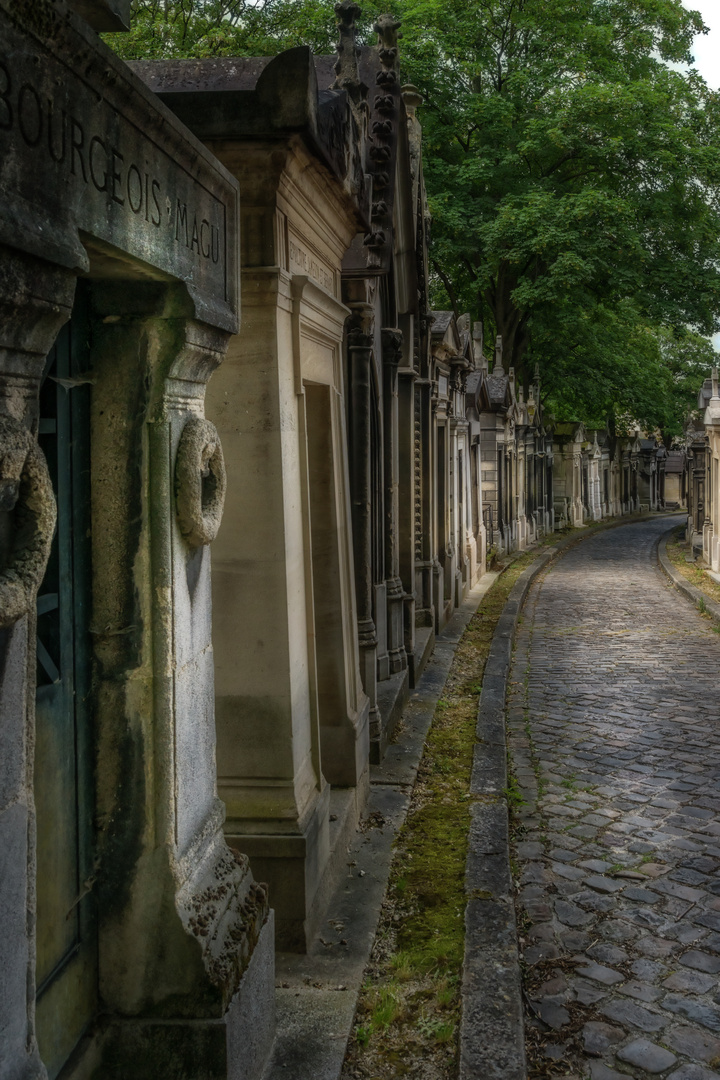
[
  {"x": 134, "y": 941},
  {"x": 185, "y": 756}
]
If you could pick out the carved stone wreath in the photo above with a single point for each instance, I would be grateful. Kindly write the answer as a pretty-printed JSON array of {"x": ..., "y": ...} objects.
[
  {"x": 200, "y": 482},
  {"x": 25, "y": 491}
]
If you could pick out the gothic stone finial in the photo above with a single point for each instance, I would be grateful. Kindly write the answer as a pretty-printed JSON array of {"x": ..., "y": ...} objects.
[
  {"x": 412, "y": 98},
  {"x": 386, "y": 29},
  {"x": 346, "y": 65},
  {"x": 498, "y": 368}
]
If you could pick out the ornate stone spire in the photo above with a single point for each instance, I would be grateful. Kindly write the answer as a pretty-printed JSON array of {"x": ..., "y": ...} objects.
[
  {"x": 347, "y": 75},
  {"x": 386, "y": 29},
  {"x": 498, "y": 366},
  {"x": 383, "y": 134},
  {"x": 477, "y": 335}
]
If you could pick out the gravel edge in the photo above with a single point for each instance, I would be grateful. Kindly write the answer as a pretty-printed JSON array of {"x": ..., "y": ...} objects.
[{"x": 695, "y": 595}]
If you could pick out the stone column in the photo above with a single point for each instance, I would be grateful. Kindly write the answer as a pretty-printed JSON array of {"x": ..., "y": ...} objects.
[
  {"x": 424, "y": 513},
  {"x": 360, "y": 352},
  {"x": 269, "y": 768},
  {"x": 182, "y": 924},
  {"x": 392, "y": 341},
  {"x": 35, "y": 301},
  {"x": 458, "y": 533},
  {"x": 408, "y": 481}
]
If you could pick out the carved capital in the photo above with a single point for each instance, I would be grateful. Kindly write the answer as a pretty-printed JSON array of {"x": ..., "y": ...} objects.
[
  {"x": 200, "y": 482},
  {"x": 392, "y": 343},
  {"x": 367, "y": 635},
  {"x": 25, "y": 492}
]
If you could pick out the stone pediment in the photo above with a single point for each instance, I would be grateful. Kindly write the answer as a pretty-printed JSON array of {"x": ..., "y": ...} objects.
[
  {"x": 256, "y": 98},
  {"x": 570, "y": 432}
]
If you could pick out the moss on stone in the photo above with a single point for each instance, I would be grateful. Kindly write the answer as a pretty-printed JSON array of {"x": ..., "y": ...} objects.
[{"x": 409, "y": 1009}]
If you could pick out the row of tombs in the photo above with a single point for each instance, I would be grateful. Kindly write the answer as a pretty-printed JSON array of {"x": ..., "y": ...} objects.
[
  {"x": 167, "y": 742},
  {"x": 702, "y": 445}
]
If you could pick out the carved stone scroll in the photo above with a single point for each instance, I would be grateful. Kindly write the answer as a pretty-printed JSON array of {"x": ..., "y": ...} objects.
[
  {"x": 200, "y": 482},
  {"x": 25, "y": 491}
]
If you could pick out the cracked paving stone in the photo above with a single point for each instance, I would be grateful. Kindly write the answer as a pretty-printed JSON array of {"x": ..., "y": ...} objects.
[
  {"x": 530, "y": 850},
  {"x": 562, "y": 855},
  {"x": 599, "y": 1037},
  {"x": 647, "y": 1055},
  {"x": 575, "y": 940},
  {"x": 601, "y": 974},
  {"x": 608, "y": 954},
  {"x": 694, "y": 1010},
  {"x": 692, "y": 982},
  {"x": 600, "y": 1071},
  {"x": 700, "y": 961},
  {"x": 642, "y": 895},
  {"x": 649, "y": 970},
  {"x": 640, "y": 991},
  {"x": 571, "y": 915},
  {"x": 587, "y": 994},
  {"x": 555, "y": 1016},
  {"x": 603, "y": 884},
  {"x": 545, "y": 951},
  {"x": 685, "y": 933},
  {"x": 627, "y": 1012},
  {"x": 694, "y": 1042},
  {"x": 655, "y": 947},
  {"x": 618, "y": 931}
]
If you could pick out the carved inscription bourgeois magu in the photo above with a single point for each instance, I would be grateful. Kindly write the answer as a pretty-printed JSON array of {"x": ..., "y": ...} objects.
[
  {"x": 94, "y": 160},
  {"x": 92, "y": 165}
]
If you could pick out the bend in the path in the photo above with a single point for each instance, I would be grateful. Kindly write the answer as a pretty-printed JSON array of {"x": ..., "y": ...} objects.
[{"x": 614, "y": 718}]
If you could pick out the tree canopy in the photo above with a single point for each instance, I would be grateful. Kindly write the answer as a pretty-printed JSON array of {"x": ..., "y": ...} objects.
[{"x": 573, "y": 175}]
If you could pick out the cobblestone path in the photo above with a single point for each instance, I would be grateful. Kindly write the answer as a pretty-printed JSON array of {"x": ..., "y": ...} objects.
[{"x": 614, "y": 717}]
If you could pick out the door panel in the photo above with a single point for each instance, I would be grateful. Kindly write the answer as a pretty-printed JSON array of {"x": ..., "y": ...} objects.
[{"x": 66, "y": 937}]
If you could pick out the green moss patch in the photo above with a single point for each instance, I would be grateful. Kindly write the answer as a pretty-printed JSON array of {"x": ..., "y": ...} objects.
[{"x": 409, "y": 1010}]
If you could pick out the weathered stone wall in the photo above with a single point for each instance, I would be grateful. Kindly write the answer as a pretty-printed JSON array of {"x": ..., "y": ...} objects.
[{"x": 97, "y": 178}]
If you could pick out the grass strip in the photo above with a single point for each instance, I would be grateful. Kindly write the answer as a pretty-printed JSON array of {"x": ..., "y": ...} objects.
[
  {"x": 407, "y": 1022},
  {"x": 678, "y": 551}
]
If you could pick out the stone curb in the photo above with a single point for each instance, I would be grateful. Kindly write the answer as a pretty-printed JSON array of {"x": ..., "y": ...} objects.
[
  {"x": 492, "y": 1039},
  {"x": 492, "y": 1042},
  {"x": 317, "y": 993},
  {"x": 697, "y": 596}
]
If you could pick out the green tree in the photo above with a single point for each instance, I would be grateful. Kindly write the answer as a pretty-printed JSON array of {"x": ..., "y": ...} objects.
[
  {"x": 575, "y": 182},
  {"x": 167, "y": 29},
  {"x": 573, "y": 176}
]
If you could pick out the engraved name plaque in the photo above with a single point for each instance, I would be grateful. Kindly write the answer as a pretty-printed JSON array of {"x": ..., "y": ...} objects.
[{"x": 87, "y": 153}]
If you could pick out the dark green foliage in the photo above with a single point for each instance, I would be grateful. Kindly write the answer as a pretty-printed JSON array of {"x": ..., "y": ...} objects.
[{"x": 573, "y": 177}]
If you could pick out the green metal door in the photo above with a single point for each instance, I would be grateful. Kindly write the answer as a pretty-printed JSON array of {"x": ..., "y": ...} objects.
[{"x": 66, "y": 934}]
